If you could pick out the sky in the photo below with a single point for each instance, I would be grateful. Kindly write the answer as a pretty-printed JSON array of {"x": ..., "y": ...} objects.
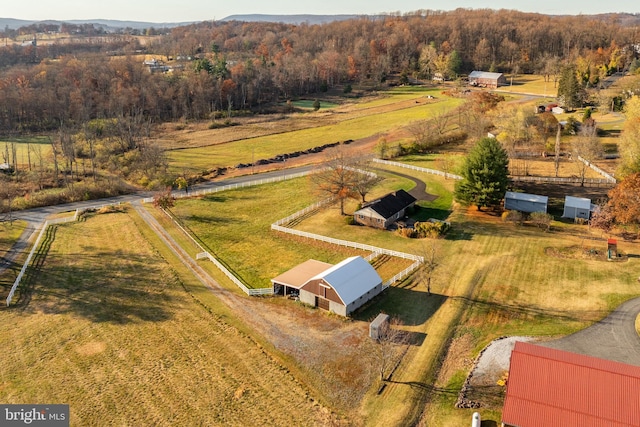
[{"x": 207, "y": 10}]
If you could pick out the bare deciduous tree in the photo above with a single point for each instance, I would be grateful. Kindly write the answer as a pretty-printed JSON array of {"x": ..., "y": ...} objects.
[
  {"x": 389, "y": 347},
  {"x": 341, "y": 176}
]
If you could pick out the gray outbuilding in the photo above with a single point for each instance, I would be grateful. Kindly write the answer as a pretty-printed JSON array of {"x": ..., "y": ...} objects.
[
  {"x": 523, "y": 202},
  {"x": 577, "y": 207}
]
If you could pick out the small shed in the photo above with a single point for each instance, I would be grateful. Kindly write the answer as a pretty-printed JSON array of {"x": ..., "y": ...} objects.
[
  {"x": 577, "y": 207},
  {"x": 524, "y": 202},
  {"x": 487, "y": 79},
  {"x": 612, "y": 248},
  {"x": 378, "y": 326}
]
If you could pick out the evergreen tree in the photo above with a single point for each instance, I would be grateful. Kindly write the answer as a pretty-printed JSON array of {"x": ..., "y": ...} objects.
[
  {"x": 569, "y": 91},
  {"x": 484, "y": 175}
]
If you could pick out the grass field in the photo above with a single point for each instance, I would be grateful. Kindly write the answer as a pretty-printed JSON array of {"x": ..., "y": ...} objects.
[
  {"x": 530, "y": 83},
  {"x": 308, "y": 104},
  {"x": 353, "y": 125},
  {"x": 235, "y": 226},
  {"x": 40, "y": 146},
  {"x": 9, "y": 234},
  {"x": 111, "y": 329}
]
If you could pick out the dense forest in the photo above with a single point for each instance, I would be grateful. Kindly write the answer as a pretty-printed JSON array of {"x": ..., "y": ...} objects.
[{"x": 226, "y": 66}]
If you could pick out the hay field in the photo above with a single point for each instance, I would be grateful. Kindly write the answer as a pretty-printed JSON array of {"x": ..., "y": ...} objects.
[{"x": 107, "y": 326}]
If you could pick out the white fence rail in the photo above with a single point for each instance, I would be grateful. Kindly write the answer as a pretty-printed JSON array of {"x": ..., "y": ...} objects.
[
  {"x": 419, "y": 169},
  {"x": 205, "y": 254},
  {"x": 404, "y": 273},
  {"x": 233, "y": 278},
  {"x": 606, "y": 176},
  {"x": 560, "y": 180},
  {"x": 206, "y": 191}
]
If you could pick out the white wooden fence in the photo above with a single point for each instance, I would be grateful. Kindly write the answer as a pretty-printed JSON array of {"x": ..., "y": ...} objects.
[
  {"x": 606, "y": 176},
  {"x": 43, "y": 230},
  {"x": 233, "y": 278},
  {"x": 560, "y": 180},
  {"x": 419, "y": 169}
]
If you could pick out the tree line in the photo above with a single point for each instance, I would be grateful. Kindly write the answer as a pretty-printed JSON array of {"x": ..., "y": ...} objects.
[{"x": 231, "y": 66}]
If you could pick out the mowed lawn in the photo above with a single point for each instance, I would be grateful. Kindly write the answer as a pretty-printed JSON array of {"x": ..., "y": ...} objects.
[
  {"x": 109, "y": 328},
  {"x": 236, "y": 227}
]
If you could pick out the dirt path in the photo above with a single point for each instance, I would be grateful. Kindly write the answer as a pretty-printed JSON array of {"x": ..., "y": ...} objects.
[{"x": 334, "y": 351}]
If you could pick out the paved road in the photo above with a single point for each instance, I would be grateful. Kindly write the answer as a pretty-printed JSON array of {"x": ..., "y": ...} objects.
[
  {"x": 36, "y": 217},
  {"x": 613, "y": 338}
]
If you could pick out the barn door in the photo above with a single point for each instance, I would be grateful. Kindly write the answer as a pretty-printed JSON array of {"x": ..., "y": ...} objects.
[{"x": 322, "y": 303}]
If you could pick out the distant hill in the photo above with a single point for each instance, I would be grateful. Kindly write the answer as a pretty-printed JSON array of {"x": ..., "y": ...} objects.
[
  {"x": 107, "y": 24},
  {"x": 291, "y": 19}
]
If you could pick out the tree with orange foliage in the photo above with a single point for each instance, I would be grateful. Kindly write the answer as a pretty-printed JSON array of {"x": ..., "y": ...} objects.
[{"x": 623, "y": 207}]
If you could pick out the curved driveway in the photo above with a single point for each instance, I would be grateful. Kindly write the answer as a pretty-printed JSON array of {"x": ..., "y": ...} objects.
[{"x": 612, "y": 338}]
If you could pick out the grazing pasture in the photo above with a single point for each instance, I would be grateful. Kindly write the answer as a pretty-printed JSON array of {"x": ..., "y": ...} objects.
[
  {"x": 334, "y": 126},
  {"x": 106, "y": 325}
]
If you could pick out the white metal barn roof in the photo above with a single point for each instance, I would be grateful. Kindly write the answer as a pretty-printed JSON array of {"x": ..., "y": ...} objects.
[
  {"x": 484, "y": 75},
  {"x": 351, "y": 278},
  {"x": 534, "y": 198},
  {"x": 577, "y": 202}
]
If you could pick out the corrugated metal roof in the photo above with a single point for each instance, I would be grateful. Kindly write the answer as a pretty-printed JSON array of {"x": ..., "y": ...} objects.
[
  {"x": 351, "y": 278},
  {"x": 526, "y": 197},
  {"x": 484, "y": 75},
  {"x": 300, "y": 274},
  {"x": 554, "y": 387},
  {"x": 577, "y": 202}
]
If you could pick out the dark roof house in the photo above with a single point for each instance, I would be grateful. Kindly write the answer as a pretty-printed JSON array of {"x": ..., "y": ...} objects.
[
  {"x": 383, "y": 212},
  {"x": 549, "y": 387}
]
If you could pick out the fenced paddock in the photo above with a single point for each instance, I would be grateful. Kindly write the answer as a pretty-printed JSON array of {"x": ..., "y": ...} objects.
[{"x": 281, "y": 224}]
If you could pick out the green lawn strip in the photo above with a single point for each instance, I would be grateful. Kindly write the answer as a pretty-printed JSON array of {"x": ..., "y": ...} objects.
[
  {"x": 530, "y": 83},
  {"x": 243, "y": 151},
  {"x": 187, "y": 244},
  {"x": 110, "y": 330},
  {"x": 454, "y": 161},
  {"x": 401, "y": 94}
]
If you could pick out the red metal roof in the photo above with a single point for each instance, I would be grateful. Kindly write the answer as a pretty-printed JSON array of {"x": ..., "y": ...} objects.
[{"x": 549, "y": 387}]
